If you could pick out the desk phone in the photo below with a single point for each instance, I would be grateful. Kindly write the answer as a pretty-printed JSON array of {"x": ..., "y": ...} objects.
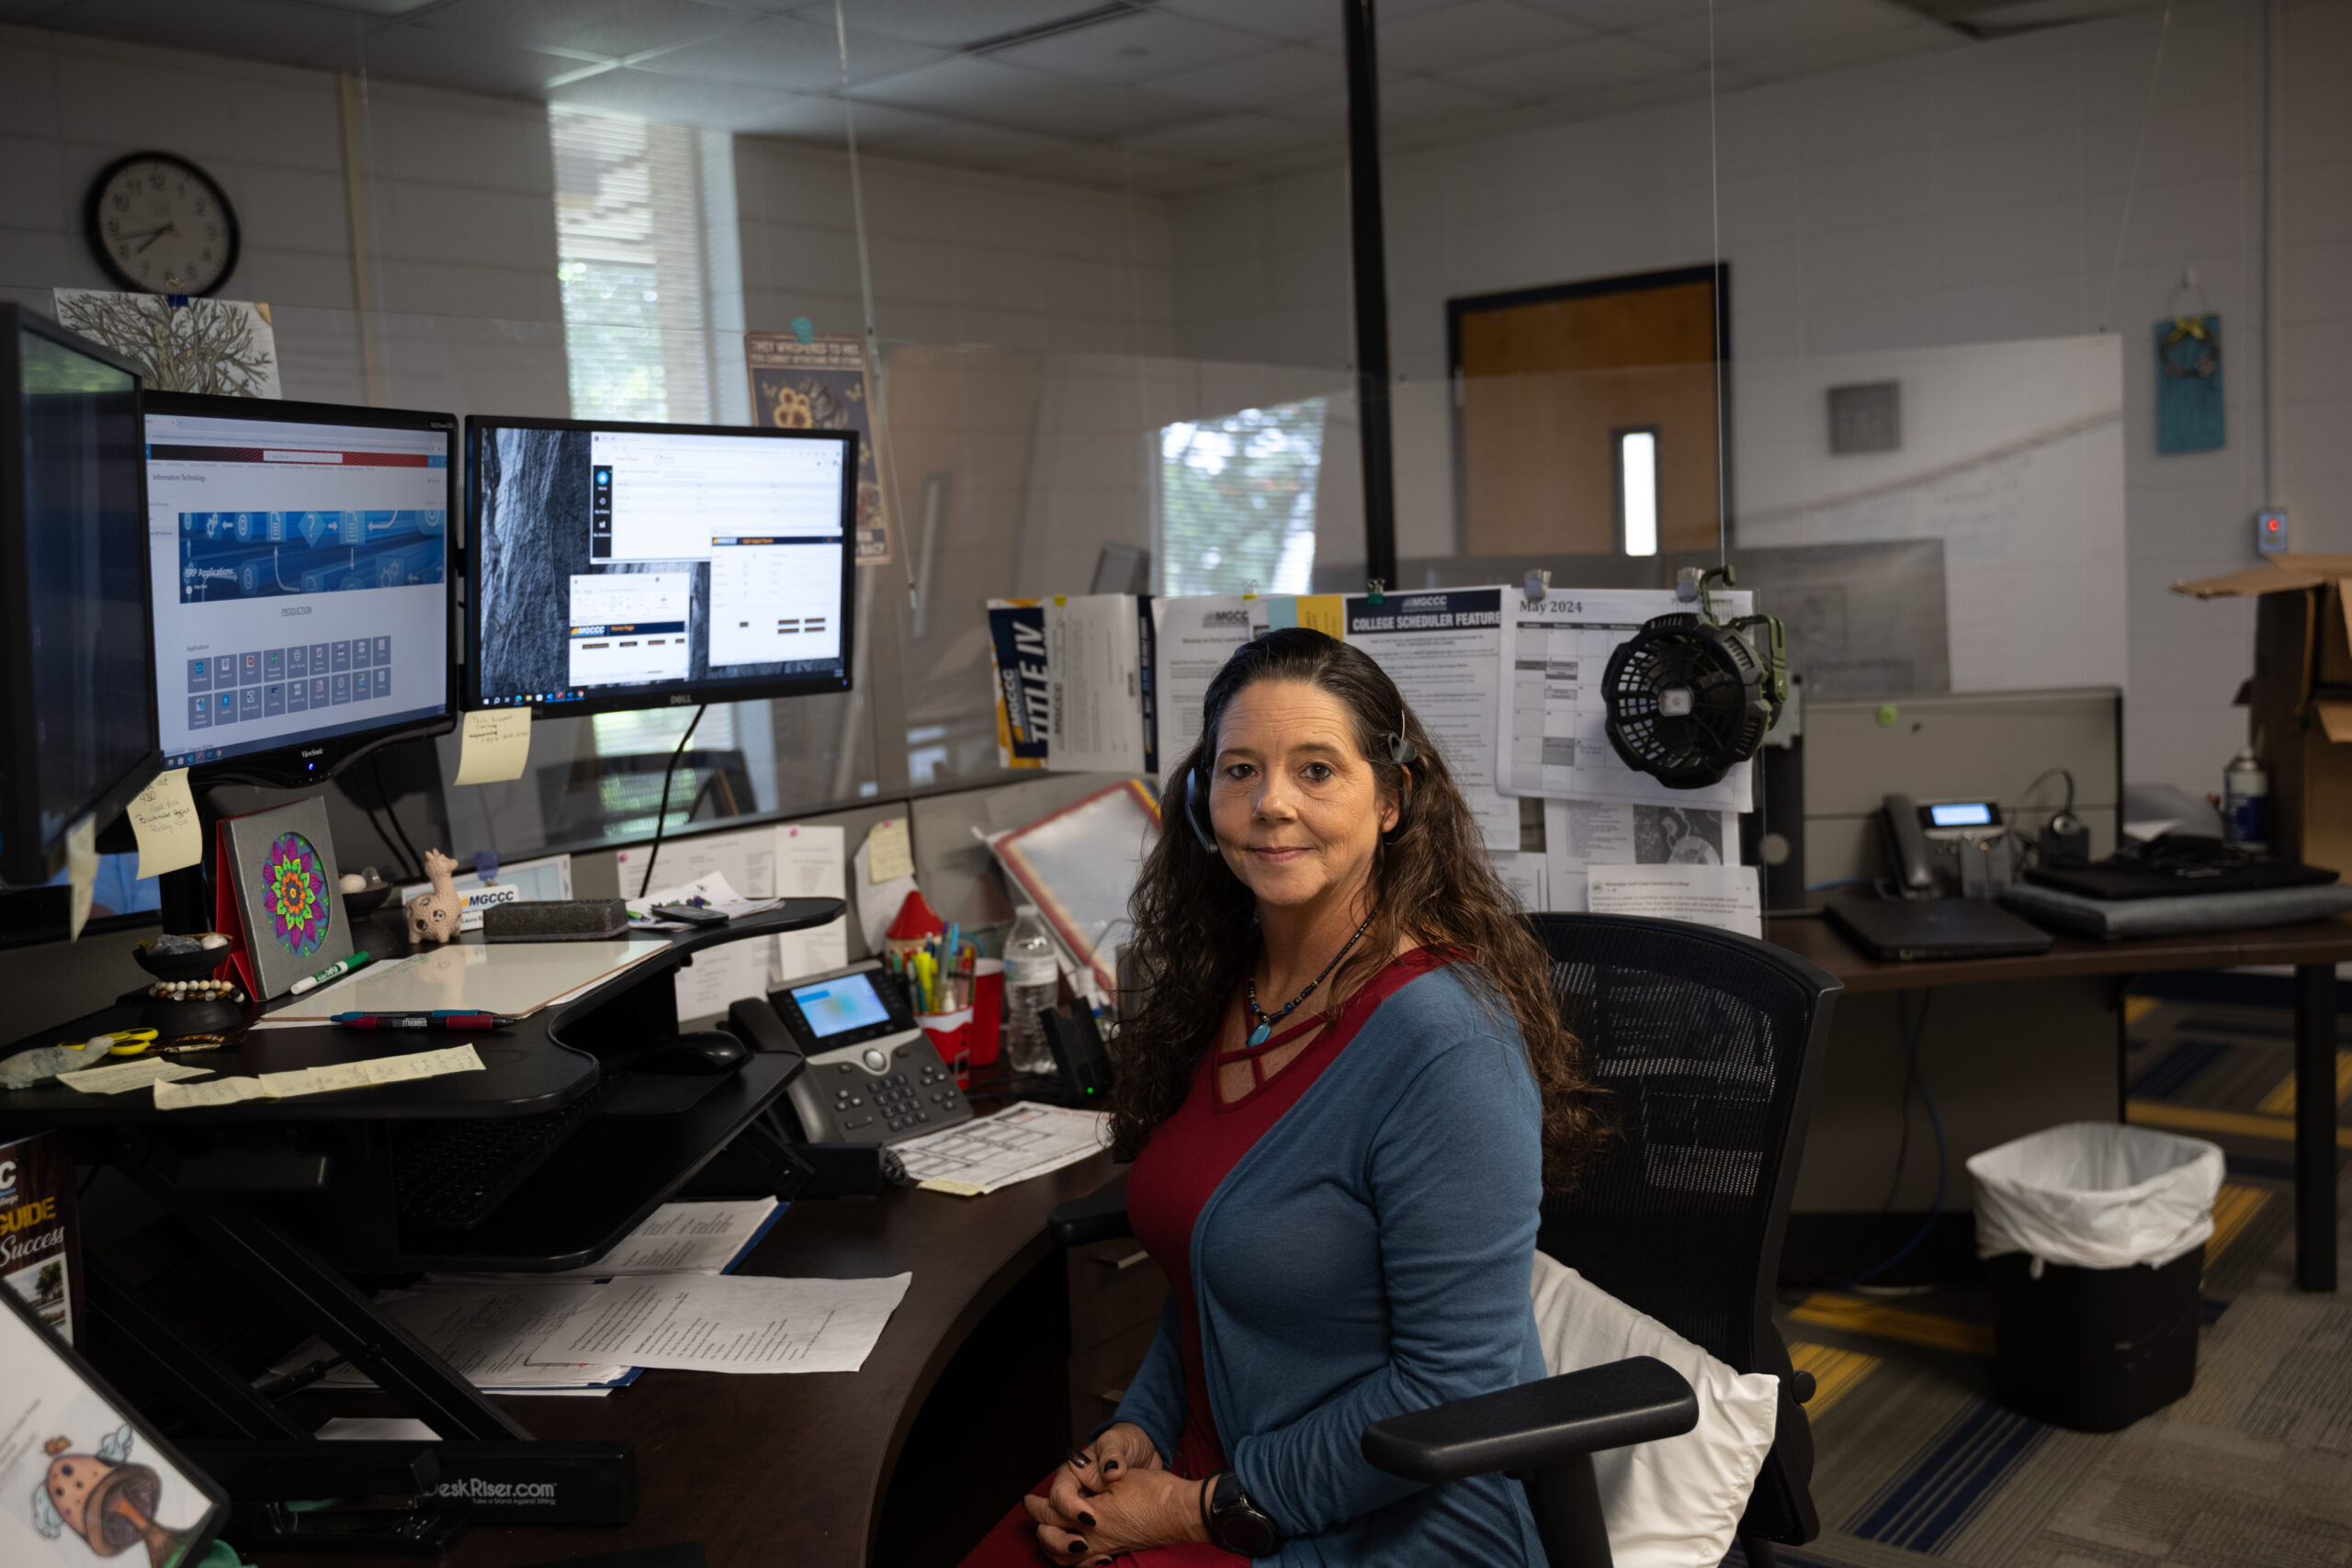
[{"x": 872, "y": 1076}]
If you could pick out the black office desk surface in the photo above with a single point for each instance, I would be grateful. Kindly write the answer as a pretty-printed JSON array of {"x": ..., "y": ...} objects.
[{"x": 530, "y": 1067}]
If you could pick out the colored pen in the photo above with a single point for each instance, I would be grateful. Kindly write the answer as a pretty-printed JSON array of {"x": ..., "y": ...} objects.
[
  {"x": 441, "y": 1021},
  {"x": 332, "y": 971}
]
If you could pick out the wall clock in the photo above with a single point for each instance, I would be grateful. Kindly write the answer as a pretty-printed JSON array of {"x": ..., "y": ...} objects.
[{"x": 161, "y": 225}]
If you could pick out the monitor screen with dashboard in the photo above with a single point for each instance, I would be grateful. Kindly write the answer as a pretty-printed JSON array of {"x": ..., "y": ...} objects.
[
  {"x": 627, "y": 565},
  {"x": 304, "y": 599}
]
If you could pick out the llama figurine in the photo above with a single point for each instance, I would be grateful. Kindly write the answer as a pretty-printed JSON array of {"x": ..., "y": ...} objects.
[{"x": 433, "y": 917}]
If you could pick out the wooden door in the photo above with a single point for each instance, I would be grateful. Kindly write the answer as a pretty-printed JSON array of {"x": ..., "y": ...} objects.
[{"x": 1546, "y": 377}]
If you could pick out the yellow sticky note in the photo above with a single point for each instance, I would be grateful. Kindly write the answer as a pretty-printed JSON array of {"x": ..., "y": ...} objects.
[
  {"x": 889, "y": 852},
  {"x": 81, "y": 874},
  {"x": 1323, "y": 613},
  {"x": 163, "y": 817},
  {"x": 495, "y": 747}
]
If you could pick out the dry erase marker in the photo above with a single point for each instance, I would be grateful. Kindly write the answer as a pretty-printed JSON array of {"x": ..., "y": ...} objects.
[
  {"x": 332, "y": 972},
  {"x": 444, "y": 1021}
]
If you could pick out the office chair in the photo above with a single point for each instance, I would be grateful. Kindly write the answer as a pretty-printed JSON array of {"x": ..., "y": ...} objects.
[
  {"x": 1706, "y": 1045},
  {"x": 593, "y": 797}
]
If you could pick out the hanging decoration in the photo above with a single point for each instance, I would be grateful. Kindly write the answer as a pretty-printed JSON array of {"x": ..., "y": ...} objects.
[{"x": 2190, "y": 415}]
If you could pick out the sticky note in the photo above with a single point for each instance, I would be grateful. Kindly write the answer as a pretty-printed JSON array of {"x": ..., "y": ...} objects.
[
  {"x": 889, "y": 852},
  {"x": 125, "y": 1075},
  {"x": 163, "y": 817},
  {"x": 495, "y": 747},
  {"x": 1323, "y": 613},
  {"x": 81, "y": 874},
  {"x": 218, "y": 1091}
]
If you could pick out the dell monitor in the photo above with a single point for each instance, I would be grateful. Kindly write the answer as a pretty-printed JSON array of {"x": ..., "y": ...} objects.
[
  {"x": 619, "y": 566},
  {"x": 77, "y": 691},
  {"x": 305, "y": 601}
]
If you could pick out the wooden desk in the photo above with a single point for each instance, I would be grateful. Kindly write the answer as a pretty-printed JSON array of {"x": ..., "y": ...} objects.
[
  {"x": 2311, "y": 948},
  {"x": 796, "y": 1468}
]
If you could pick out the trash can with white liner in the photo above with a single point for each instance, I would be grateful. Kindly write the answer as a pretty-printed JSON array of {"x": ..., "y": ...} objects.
[{"x": 2093, "y": 1236}]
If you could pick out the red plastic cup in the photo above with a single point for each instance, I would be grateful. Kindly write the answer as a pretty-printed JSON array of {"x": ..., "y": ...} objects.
[
  {"x": 987, "y": 1011},
  {"x": 951, "y": 1032}
]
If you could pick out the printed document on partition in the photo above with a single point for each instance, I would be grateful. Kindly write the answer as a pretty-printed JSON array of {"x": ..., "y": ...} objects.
[
  {"x": 1014, "y": 1145},
  {"x": 1551, "y": 714},
  {"x": 1095, "y": 684},
  {"x": 727, "y": 1323},
  {"x": 810, "y": 864},
  {"x": 701, "y": 1237},
  {"x": 486, "y": 1331},
  {"x": 1581, "y": 834},
  {"x": 1192, "y": 638},
  {"x": 1443, "y": 650},
  {"x": 1730, "y": 898}
]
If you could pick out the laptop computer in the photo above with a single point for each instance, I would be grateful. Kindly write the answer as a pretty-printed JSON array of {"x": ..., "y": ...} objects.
[
  {"x": 2175, "y": 865},
  {"x": 1900, "y": 930}
]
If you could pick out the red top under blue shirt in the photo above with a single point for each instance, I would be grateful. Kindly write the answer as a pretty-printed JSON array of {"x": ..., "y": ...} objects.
[{"x": 1187, "y": 1159}]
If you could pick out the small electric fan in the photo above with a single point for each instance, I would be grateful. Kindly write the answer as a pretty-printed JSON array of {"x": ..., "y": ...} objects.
[{"x": 1687, "y": 696}]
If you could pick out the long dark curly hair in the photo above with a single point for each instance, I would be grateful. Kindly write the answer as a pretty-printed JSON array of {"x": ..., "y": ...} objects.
[{"x": 1432, "y": 880}]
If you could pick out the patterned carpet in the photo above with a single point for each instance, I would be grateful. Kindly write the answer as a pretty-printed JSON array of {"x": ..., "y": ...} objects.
[{"x": 1915, "y": 1458}]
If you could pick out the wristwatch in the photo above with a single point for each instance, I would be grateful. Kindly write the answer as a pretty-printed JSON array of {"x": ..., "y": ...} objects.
[{"x": 1235, "y": 1523}]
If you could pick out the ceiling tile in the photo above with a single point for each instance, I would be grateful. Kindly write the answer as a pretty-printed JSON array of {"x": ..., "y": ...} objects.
[
  {"x": 1619, "y": 15},
  {"x": 985, "y": 91},
  {"x": 1232, "y": 138},
  {"x": 245, "y": 29},
  {"x": 1922, "y": 38},
  {"x": 982, "y": 147},
  {"x": 647, "y": 94},
  {"x": 1411, "y": 101},
  {"x": 946, "y": 24},
  {"x": 820, "y": 119},
  {"x": 593, "y": 29},
  {"x": 1298, "y": 20},
  {"x": 1135, "y": 48},
  {"x": 446, "y": 60},
  {"x": 1262, "y": 82},
  {"x": 791, "y": 54},
  {"x": 1483, "y": 30},
  {"x": 1566, "y": 73},
  {"x": 1774, "y": 28},
  {"x": 1623, "y": 97}
]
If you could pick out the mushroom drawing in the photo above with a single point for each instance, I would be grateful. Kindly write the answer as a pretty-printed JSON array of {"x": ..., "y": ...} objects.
[{"x": 107, "y": 1501}]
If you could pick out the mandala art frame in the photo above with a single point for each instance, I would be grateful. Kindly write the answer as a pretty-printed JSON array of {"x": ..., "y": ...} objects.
[{"x": 282, "y": 861}]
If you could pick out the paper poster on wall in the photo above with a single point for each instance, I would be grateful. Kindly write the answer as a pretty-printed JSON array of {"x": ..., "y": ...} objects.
[
  {"x": 822, "y": 385},
  {"x": 1552, "y": 712},
  {"x": 1018, "y": 668},
  {"x": 1098, "y": 699},
  {"x": 1581, "y": 834},
  {"x": 180, "y": 342},
  {"x": 1192, "y": 639}
]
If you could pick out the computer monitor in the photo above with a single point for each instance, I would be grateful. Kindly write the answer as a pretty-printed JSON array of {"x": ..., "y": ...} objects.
[
  {"x": 77, "y": 692},
  {"x": 304, "y": 596},
  {"x": 621, "y": 565}
]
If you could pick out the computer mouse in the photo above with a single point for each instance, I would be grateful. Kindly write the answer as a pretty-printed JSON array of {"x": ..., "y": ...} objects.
[{"x": 703, "y": 1051}]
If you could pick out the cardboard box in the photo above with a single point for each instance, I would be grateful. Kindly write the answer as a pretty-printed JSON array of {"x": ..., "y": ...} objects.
[{"x": 2300, "y": 694}]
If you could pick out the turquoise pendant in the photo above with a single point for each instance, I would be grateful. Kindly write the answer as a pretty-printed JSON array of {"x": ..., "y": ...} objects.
[{"x": 1258, "y": 1035}]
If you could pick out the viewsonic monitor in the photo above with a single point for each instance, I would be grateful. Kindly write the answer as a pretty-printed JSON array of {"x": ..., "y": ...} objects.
[
  {"x": 619, "y": 566},
  {"x": 305, "y": 599},
  {"x": 77, "y": 694}
]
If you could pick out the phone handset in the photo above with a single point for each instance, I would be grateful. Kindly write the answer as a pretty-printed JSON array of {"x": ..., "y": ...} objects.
[{"x": 1906, "y": 845}]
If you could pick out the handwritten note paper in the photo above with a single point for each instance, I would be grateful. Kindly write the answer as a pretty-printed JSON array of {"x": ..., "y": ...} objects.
[
  {"x": 326, "y": 1080},
  {"x": 122, "y": 1076},
  {"x": 163, "y": 819},
  {"x": 496, "y": 746},
  {"x": 890, "y": 852},
  {"x": 214, "y": 1091}
]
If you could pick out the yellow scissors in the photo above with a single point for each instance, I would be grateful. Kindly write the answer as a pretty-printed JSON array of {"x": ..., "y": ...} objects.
[{"x": 121, "y": 1042}]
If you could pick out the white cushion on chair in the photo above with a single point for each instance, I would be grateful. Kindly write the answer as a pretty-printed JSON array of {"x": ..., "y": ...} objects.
[{"x": 1674, "y": 1504}]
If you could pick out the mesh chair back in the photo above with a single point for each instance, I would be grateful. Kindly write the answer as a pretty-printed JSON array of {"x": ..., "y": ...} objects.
[{"x": 1704, "y": 1047}]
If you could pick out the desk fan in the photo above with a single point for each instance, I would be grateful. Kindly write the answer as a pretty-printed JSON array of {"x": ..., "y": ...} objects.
[{"x": 1687, "y": 698}]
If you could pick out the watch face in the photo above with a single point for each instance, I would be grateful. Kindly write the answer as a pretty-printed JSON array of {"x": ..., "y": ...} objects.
[{"x": 160, "y": 225}]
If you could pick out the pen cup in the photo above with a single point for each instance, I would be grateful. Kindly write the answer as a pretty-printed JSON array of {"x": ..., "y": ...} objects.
[
  {"x": 952, "y": 1033},
  {"x": 987, "y": 1010}
]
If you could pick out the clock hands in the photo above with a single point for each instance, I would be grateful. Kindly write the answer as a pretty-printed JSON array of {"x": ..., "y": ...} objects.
[{"x": 155, "y": 234}]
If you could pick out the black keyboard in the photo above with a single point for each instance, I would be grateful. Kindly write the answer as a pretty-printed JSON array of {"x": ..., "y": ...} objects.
[{"x": 451, "y": 1176}]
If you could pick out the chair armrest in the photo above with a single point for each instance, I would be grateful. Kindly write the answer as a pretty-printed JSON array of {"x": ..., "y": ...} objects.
[
  {"x": 1083, "y": 1221},
  {"x": 1536, "y": 1425}
]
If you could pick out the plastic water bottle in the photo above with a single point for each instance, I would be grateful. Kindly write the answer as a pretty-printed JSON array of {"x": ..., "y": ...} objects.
[
  {"x": 1032, "y": 984},
  {"x": 2245, "y": 802}
]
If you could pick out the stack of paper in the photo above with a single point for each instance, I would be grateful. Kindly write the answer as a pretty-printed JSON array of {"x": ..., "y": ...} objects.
[
  {"x": 1015, "y": 1143},
  {"x": 174, "y": 1096}
]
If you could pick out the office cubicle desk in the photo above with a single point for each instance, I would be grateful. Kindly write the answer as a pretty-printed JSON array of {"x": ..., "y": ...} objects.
[
  {"x": 597, "y": 1186},
  {"x": 958, "y": 1412},
  {"x": 2091, "y": 974}
]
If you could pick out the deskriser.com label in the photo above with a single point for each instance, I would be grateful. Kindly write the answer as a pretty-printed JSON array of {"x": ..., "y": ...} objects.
[{"x": 492, "y": 1498}]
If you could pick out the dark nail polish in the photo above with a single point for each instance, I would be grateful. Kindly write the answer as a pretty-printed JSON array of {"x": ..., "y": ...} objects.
[
  {"x": 1076, "y": 1546},
  {"x": 1077, "y": 1461},
  {"x": 1110, "y": 1467},
  {"x": 1086, "y": 1519}
]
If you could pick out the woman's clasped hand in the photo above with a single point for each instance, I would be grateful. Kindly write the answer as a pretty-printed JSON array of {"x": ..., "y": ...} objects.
[{"x": 1115, "y": 1496}]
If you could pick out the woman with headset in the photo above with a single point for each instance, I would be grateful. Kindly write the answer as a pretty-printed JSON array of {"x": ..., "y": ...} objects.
[{"x": 1343, "y": 1089}]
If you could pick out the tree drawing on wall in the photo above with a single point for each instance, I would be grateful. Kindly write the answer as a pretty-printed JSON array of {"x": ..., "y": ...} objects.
[{"x": 222, "y": 347}]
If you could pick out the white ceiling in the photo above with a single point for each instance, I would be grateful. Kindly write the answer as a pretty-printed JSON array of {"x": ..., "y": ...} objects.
[{"x": 1169, "y": 95}]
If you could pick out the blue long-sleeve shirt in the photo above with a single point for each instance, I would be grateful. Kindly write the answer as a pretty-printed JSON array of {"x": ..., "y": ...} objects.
[{"x": 1369, "y": 1256}]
